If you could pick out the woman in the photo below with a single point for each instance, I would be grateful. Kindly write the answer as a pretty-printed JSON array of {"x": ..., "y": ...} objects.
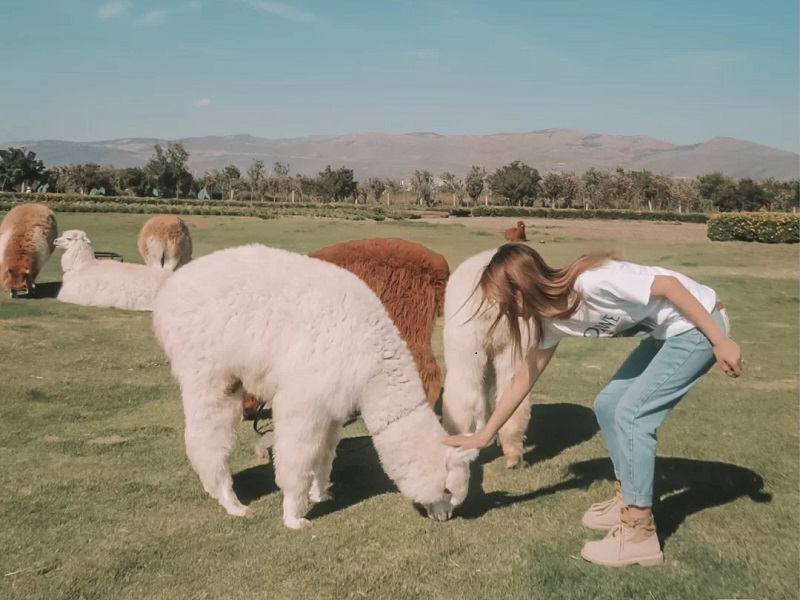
[{"x": 601, "y": 295}]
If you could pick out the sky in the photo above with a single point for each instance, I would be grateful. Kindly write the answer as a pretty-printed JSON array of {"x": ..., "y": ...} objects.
[{"x": 682, "y": 71}]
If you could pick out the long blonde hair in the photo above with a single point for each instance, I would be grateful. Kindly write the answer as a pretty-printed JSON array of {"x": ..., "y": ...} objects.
[{"x": 517, "y": 272}]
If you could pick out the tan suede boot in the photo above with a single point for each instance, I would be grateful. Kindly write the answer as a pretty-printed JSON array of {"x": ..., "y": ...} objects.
[
  {"x": 605, "y": 515},
  {"x": 633, "y": 541}
]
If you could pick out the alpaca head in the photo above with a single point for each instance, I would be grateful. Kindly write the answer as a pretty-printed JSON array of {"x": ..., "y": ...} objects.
[
  {"x": 71, "y": 238},
  {"x": 456, "y": 484},
  {"x": 521, "y": 226},
  {"x": 16, "y": 279}
]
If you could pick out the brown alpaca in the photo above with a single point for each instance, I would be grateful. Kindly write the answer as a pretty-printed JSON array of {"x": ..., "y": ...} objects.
[
  {"x": 516, "y": 234},
  {"x": 410, "y": 280},
  {"x": 164, "y": 242},
  {"x": 26, "y": 242}
]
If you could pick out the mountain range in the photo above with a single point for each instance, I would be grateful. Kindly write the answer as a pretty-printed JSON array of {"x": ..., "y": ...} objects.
[{"x": 398, "y": 155}]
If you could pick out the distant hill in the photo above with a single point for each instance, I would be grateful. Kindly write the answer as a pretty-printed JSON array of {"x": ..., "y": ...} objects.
[{"x": 398, "y": 155}]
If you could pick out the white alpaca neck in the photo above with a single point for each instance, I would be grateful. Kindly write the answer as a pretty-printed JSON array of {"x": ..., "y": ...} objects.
[
  {"x": 394, "y": 393},
  {"x": 406, "y": 433},
  {"x": 76, "y": 256}
]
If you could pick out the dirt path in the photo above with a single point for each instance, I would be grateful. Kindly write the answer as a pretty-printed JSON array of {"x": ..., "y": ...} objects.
[{"x": 587, "y": 228}]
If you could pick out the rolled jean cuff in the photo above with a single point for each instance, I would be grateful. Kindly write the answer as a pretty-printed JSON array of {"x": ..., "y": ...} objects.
[{"x": 639, "y": 500}]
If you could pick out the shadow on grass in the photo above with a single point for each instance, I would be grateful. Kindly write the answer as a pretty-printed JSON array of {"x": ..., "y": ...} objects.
[
  {"x": 254, "y": 483},
  {"x": 357, "y": 474},
  {"x": 552, "y": 429},
  {"x": 687, "y": 486},
  {"x": 42, "y": 290},
  {"x": 683, "y": 487}
]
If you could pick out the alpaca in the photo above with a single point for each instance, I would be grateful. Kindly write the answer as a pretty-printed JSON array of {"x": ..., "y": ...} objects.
[
  {"x": 516, "y": 234},
  {"x": 316, "y": 341},
  {"x": 27, "y": 234},
  {"x": 106, "y": 283},
  {"x": 410, "y": 280},
  {"x": 479, "y": 364},
  {"x": 164, "y": 242}
]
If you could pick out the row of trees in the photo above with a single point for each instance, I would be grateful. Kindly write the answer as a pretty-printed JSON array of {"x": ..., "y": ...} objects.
[{"x": 166, "y": 174}]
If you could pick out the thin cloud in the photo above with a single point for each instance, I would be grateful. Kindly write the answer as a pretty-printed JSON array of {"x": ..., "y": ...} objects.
[
  {"x": 284, "y": 10},
  {"x": 202, "y": 103},
  {"x": 154, "y": 18},
  {"x": 112, "y": 10}
]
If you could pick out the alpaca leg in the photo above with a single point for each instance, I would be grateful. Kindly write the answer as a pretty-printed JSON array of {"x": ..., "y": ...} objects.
[
  {"x": 463, "y": 405},
  {"x": 153, "y": 259},
  {"x": 169, "y": 263},
  {"x": 511, "y": 435},
  {"x": 320, "y": 491},
  {"x": 295, "y": 453},
  {"x": 211, "y": 417}
]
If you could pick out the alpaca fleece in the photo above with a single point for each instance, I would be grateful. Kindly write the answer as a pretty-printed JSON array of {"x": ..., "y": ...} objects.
[
  {"x": 410, "y": 280},
  {"x": 164, "y": 242},
  {"x": 27, "y": 235},
  {"x": 104, "y": 283},
  {"x": 479, "y": 364},
  {"x": 317, "y": 343},
  {"x": 516, "y": 234}
]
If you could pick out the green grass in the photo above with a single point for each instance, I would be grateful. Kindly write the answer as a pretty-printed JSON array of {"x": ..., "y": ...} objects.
[{"x": 97, "y": 499}]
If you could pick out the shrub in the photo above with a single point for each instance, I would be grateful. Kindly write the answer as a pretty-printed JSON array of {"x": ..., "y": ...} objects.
[
  {"x": 766, "y": 227},
  {"x": 190, "y": 206},
  {"x": 577, "y": 213}
]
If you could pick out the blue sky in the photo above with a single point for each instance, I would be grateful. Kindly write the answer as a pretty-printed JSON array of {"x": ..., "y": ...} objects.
[{"x": 682, "y": 71}]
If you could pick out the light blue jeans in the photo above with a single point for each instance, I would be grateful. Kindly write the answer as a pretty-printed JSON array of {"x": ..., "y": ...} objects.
[{"x": 649, "y": 384}]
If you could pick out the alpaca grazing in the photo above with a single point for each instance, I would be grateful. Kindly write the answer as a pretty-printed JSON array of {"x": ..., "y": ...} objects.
[
  {"x": 164, "y": 242},
  {"x": 27, "y": 235},
  {"x": 479, "y": 363},
  {"x": 316, "y": 342},
  {"x": 516, "y": 234},
  {"x": 410, "y": 280},
  {"x": 105, "y": 283}
]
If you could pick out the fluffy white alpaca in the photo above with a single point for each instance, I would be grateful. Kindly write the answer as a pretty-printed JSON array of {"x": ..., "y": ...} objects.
[
  {"x": 107, "y": 283},
  {"x": 314, "y": 339},
  {"x": 479, "y": 365}
]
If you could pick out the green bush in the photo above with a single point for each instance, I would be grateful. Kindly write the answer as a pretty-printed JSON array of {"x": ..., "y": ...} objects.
[
  {"x": 189, "y": 206},
  {"x": 577, "y": 213},
  {"x": 765, "y": 227},
  {"x": 460, "y": 212}
]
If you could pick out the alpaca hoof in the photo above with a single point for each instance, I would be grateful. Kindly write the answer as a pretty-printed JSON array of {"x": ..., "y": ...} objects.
[
  {"x": 515, "y": 463},
  {"x": 238, "y": 510},
  {"x": 297, "y": 523}
]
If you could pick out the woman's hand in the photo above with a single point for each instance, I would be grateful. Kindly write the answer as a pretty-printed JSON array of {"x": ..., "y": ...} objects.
[
  {"x": 467, "y": 442},
  {"x": 729, "y": 356}
]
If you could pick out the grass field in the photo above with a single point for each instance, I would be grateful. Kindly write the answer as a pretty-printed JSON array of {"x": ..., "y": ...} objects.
[{"x": 97, "y": 499}]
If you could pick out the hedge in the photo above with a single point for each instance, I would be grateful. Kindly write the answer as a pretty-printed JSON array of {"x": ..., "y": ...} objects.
[
  {"x": 576, "y": 213},
  {"x": 766, "y": 227},
  {"x": 121, "y": 204}
]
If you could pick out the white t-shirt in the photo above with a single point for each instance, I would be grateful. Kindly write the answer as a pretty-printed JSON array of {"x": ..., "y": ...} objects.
[{"x": 617, "y": 303}]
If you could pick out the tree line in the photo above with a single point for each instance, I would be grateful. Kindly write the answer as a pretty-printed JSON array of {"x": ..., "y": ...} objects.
[{"x": 166, "y": 174}]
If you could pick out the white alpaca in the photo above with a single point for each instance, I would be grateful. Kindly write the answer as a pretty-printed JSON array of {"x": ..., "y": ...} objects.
[
  {"x": 314, "y": 339},
  {"x": 479, "y": 365},
  {"x": 107, "y": 283}
]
